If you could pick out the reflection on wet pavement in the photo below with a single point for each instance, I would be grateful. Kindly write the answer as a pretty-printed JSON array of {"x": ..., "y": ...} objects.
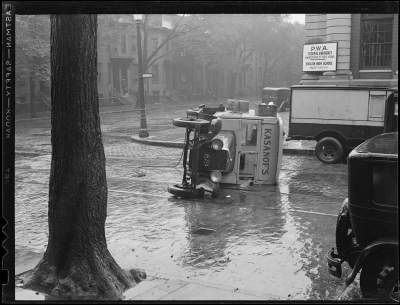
[{"x": 271, "y": 239}]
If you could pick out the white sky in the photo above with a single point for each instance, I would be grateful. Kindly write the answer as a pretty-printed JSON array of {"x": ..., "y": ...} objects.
[{"x": 300, "y": 18}]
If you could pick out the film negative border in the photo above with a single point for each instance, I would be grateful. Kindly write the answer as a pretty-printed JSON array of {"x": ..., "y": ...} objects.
[{"x": 8, "y": 150}]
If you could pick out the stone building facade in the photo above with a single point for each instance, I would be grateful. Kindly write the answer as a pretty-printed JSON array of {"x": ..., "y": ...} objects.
[
  {"x": 178, "y": 75},
  {"x": 118, "y": 62},
  {"x": 367, "y": 47}
]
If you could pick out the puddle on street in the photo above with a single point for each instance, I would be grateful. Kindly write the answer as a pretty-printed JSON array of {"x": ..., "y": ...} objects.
[
  {"x": 259, "y": 240},
  {"x": 247, "y": 240}
]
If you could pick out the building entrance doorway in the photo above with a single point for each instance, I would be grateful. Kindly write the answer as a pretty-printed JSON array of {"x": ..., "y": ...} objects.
[{"x": 120, "y": 76}]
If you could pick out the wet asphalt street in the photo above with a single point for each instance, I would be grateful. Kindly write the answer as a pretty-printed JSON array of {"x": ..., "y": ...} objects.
[{"x": 270, "y": 239}]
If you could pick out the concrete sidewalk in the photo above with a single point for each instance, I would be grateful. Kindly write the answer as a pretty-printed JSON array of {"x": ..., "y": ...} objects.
[
  {"x": 173, "y": 288},
  {"x": 167, "y": 289},
  {"x": 174, "y": 137},
  {"x": 154, "y": 287}
]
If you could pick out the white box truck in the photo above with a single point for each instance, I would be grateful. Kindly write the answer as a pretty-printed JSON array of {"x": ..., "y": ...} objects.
[{"x": 338, "y": 118}]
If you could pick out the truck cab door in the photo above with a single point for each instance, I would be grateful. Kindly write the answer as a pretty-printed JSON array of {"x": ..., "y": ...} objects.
[{"x": 248, "y": 149}]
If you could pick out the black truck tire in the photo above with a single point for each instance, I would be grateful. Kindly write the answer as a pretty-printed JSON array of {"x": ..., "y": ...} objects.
[
  {"x": 185, "y": 192},
  {"x": 190, "y": 123},
  {"x": 329, "y": 150}
]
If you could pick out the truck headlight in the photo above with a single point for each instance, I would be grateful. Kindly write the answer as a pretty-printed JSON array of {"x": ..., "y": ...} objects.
[
  {"x": 216, "y": 144},
  {"x": 216, "y": 176}
]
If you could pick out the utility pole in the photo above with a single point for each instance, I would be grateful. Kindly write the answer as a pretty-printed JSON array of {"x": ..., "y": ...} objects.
[{"x": 143, "y": 133}]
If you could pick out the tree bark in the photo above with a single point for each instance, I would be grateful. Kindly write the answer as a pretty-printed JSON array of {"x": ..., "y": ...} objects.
[
  {"x": 32, "y": 94},
  {"x": 77, "y": 263}
]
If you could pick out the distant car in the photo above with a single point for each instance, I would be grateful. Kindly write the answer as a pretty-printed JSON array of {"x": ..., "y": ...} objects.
[{"x": 279, "y": 96}]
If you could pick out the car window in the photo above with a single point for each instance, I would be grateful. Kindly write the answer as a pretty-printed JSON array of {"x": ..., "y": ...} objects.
[{"x": 251, "y": 134}]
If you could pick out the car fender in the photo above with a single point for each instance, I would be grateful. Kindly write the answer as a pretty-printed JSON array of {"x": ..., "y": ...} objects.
[{"x": 377, "y": 245}]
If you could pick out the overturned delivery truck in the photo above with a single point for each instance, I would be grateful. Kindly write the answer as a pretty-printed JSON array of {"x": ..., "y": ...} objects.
[{"x": 229, "y": 145}]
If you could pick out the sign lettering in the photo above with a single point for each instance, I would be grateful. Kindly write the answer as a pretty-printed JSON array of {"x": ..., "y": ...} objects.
[{"x": 319, "y": 57}]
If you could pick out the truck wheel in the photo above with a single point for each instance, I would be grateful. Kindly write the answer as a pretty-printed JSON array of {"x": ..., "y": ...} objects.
[
  {"x": 190, "y": 123},
  {"x": 379, "y": 278},
  {"x": 329, "y": 150},
  {"x": 185, "y": 192}
]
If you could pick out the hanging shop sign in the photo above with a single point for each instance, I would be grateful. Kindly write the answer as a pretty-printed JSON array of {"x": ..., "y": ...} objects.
[{"x": 319, "y": 57}]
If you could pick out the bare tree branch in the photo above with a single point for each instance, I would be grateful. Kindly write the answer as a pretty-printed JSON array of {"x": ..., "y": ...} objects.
[
  {"x": 155, "y": 59},
  {"x": 248, "y": 54},
  {"x": 169, "y": 37}
]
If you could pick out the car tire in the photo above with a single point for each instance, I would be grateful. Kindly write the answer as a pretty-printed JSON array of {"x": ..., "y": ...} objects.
[
  {"x": 190, "y": 123},
  {"x": 329, "y": 150},
  {"x": 379, "y": 278}
]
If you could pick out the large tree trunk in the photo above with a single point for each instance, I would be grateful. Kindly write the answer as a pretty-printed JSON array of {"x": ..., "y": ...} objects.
[
  {"x": 76, "y": 263},
  {"x": 32, "y": 94}
]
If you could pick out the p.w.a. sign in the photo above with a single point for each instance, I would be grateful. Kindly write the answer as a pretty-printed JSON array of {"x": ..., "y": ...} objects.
[{"x": 319, "y": 57}]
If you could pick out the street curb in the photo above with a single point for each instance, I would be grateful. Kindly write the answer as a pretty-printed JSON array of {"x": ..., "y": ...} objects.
[
  {"x": 115, "y": 135},
  {"x": 157, "y": 142},
  {"x": 104, "y": 111},
  {"x": 30, "y": 153},
  {"x": 296, "y": 151},
  {"x": 286, "y": 151}
]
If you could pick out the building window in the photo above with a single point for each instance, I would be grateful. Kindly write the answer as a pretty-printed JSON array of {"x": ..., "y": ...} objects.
[
  {"x": 156, "y": 96},
  {"x": 183, "y": 78},
  {"x": 109, "y": 72},
  {"x": 154, "y": 42},
  {"x": 155, "y": 72},
  {"x": 376, "y": 41},
  {"x": 133, "y": 46},
  {"x": 182, "y": 52},
  {"x": 123, "y": 44}
]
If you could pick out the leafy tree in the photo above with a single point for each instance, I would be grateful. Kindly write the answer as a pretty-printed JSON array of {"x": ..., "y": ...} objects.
[
  {"x": 230, "y": 42},
  {"x": 228, "y": 45},
  {"x": 179, "y": 28},
  {"x": 280, "y": 44},
  {"x": 77, "y": 263}
]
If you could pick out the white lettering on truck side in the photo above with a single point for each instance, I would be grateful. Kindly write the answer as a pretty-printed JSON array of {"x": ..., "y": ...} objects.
[{"x": 266, "y": 151}]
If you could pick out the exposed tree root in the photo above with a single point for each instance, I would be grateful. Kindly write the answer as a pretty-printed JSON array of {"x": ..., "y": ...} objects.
[{"x": 101, "y": 279}]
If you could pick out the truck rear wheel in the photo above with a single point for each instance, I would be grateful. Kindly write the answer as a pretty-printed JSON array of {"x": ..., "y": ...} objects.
[
  {"x": 185, "y": 191},
  {"x": 190, "y": 123},
  {"x": 329, "y": 150}
]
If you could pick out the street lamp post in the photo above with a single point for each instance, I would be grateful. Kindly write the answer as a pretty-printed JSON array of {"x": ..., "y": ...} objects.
[{"x": 143, "y": 133}]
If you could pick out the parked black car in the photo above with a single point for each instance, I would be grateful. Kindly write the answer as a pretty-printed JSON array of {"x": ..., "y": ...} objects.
[{"x": 367, "y": 225}]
